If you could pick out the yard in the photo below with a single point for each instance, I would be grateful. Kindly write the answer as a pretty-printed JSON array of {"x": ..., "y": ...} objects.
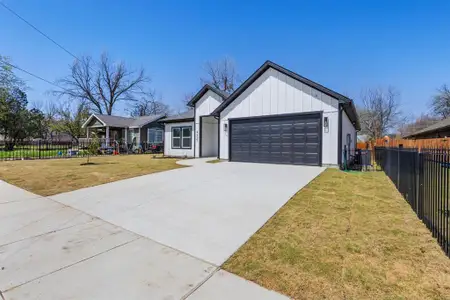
[
  {"x": 346, "y": 236},
  {"x": 54, "y": 176}
]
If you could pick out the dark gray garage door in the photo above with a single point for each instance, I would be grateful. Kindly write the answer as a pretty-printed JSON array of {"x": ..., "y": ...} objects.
[{"x": 279, "y": 140}]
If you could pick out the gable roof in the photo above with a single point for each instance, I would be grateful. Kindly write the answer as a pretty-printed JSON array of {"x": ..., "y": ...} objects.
[
  {"x": 441, "y": 125},
  {"x": 207, "y": 87},
  {"x": 349, "y": 106},
  {"x": 183, "y": 117},
  {"x": 117, "y": 121}
]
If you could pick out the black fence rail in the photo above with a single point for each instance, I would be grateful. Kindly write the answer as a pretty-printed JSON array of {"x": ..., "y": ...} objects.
[
  {"x": 41, "y": 149},
  {"x": 423, "y": 180}
]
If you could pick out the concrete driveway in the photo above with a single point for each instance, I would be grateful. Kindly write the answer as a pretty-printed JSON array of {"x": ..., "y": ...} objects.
[
  {"x": 159, "y": 236},
  {"x": 207, "y": 211}
]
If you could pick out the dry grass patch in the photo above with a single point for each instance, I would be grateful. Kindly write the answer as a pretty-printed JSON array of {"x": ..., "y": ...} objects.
[
  {"x": 214, "y": 161},
  {"x": 346, "y": 236},
  {"x": 54, "y": 176}
]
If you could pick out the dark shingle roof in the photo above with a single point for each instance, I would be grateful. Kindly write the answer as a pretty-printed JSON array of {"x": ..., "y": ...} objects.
[
  {"x": 117, "y": 121},
  {"x": 186, "y": 116},
  {"x": 435, "y": 127},
  {"x": 114, "y": 121},
  {"x": 141, "y": 121}
]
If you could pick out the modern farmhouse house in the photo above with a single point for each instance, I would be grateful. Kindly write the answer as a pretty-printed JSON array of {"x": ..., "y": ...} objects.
[{"x": 275, "y": 116}]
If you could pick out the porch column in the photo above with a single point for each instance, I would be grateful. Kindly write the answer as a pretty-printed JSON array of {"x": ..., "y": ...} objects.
[
  {"x": 138, "y": 139},
  {"x": 126, "y": 136},
  {"x": 87, "y": 133},
  {"x": 107, "y": 136}
]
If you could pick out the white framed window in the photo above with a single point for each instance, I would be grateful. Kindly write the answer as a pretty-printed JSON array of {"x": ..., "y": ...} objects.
[
  {"x": 155, "y": 135},
  {"x": 186, "y": 137},
  {"x": 182, "y": 137}
]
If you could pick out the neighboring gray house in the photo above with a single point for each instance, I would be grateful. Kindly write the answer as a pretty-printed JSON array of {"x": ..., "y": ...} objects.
[
  {"x": 138, "y": 130},
  {"x": 275, "y": 116},
  {"x": 440, "y": 129}
]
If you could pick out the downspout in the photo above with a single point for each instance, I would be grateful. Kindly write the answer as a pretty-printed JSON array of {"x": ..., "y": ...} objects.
[{"x": 339, "y": 147}]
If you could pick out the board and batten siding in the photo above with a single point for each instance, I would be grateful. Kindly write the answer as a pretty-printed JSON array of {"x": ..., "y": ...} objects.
[
  {"x": 274, "y": 93},
  {"x": 204, "y": 107},
  {"x": 168, "y": 150},
  {"x": 348, "y": 128}
]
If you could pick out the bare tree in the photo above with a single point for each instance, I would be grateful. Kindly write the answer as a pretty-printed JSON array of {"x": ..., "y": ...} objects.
[
  {"x": 8, "y": 79},
  {"x": 69, "y": 119},
  {"x": 149, "y": 105},
  {"x": 222, "y": 74},
  {"x": 186, "y": 98},
  {"x": 381, "y": 111},
  {"x": 417, "y": 124},
  {"x": 102, "y": 85},
  {"x": 440, "y": 103}
]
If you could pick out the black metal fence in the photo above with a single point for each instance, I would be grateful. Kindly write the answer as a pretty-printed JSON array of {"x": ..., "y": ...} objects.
[
  {"x": 357, "y": 160},
  {"x": 41, "y": 149},
  {"x": 423, "y": 180}
]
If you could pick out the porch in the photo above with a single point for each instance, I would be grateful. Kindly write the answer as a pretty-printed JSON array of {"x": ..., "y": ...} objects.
[{"x": 209, "y": 137}]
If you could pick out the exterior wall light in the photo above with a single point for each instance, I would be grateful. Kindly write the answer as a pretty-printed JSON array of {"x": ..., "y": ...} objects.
[
  {"x": 326, "y": 124},
  {"x": 225, "y": 127}
]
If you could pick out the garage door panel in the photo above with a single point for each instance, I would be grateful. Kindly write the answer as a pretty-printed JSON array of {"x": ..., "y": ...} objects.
[{"x": 281, "y": 139}]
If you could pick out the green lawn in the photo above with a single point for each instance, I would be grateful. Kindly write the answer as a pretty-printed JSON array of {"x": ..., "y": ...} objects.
[
  {"x": 346, "y": 236},
  {"x": 31, "y": 153}
]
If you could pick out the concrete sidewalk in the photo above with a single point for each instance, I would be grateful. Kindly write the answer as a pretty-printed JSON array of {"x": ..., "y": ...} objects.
[{"x": 52, "y": 251}]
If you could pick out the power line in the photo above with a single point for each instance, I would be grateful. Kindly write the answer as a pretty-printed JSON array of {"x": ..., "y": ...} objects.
[
  {"x": 31, "y": 74},
  {"x": 37, "y": 29}
]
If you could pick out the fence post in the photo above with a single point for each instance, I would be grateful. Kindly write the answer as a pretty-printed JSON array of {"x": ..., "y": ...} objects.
[
  {"x": 398, "y": 167},
  {"x": 417, "y": 181},
  {"x": 39, "y": 149}
]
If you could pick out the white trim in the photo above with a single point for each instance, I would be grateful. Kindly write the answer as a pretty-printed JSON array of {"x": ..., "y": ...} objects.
[
  {"x": 107, "y": 136},
  {"x": 90, "y": 119}
]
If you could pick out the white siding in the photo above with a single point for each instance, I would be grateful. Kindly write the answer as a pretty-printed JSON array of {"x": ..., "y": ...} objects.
[
  {"x": 275, "y": 93},
  {"x": 348, "y": 128},
  {"x": 168, "y": 151},
  {"x": 204, "y": 107}
]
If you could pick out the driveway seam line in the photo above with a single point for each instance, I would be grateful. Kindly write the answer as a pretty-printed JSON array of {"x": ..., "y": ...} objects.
[
  {"x": 27, "y": 199},
  {"x": 70, "y": 265},
  {"x": 140, "y": 235},
  {"x": 45, "y": 233},
  {"x": 200, "y": 284}
]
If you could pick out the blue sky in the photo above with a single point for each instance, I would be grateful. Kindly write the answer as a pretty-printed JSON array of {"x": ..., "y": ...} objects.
[{"x": 344, "y": 45}]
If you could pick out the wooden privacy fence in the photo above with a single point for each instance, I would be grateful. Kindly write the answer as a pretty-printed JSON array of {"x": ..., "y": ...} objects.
[{"x": 439, "y": 143}]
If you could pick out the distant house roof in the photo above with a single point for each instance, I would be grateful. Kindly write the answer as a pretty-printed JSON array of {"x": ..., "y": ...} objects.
[
  {"x": 117, "y": 121},
  {"x": 439, "y": 126},
  {"x": 207, "y": 87},
  {"x": 183, "y": 117}
]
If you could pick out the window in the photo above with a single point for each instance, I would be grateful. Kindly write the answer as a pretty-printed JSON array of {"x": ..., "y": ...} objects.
[
  {"x": 155, "y": 136},
  {"x": 182, "y": 137}
]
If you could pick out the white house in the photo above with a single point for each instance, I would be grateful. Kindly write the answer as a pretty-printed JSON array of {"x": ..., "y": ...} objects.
[{"x": 275, "y": 116}]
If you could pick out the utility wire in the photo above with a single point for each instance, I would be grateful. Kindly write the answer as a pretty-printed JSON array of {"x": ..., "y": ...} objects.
[
  {"x": 37, "y": 29},
  {"x": 31, "y": 74}
]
